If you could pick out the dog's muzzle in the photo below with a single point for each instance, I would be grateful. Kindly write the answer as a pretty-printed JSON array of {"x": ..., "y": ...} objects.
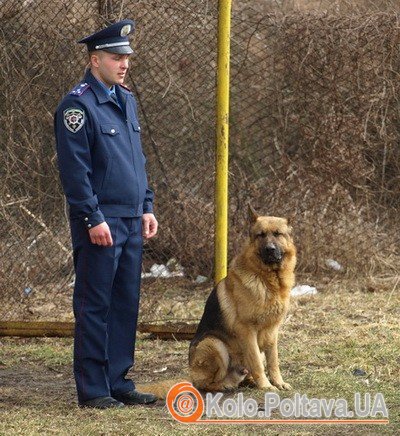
[{"x": 271, "y": 254}]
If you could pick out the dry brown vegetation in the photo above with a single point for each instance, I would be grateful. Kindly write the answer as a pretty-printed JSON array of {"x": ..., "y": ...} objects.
[{"x": 314, "y": 132}]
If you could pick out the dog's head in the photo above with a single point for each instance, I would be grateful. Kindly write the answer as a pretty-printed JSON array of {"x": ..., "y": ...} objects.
[{"x": 271, "y": 238}]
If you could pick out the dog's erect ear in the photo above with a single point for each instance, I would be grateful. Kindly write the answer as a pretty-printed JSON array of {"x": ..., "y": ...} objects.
[
  {"x": 253, "y": 215},
  {"x": 290, "y": 219}
]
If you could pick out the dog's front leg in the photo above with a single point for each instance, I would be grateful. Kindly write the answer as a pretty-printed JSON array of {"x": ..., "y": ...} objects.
[
  {"x": 253, "y": 359},
  {"x": 274, "y": 372}
]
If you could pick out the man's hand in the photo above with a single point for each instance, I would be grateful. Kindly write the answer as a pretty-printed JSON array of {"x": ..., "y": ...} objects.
[
  {"x": 150, "y": 225},
  {"x": 101, "y": 235}
]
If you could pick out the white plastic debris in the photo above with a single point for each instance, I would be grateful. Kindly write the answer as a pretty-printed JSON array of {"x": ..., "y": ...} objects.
[
  {"x": 161, "y": 271},
  {"x": 300, "y": 290},
  {"x": 200, "y": 279},
  {"x": 333, "y": 264}
]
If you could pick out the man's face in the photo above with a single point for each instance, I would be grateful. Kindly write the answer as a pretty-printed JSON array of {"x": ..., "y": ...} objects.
[{"x": 110, "y": 68}]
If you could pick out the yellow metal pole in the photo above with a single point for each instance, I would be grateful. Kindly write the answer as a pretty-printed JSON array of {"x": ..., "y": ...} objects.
[{"x": 221, "y": 185}]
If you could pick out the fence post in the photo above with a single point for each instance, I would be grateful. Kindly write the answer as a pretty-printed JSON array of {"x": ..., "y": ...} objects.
[{"x": 221, "y": 185}]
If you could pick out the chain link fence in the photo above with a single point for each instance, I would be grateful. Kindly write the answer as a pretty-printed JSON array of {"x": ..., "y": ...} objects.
[{"x": 314, "y": 133}]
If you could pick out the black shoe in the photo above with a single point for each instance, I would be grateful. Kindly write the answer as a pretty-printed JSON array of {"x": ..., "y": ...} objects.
[
  {"x": 102, "y": 403},
  {"x": 134, "y": 397}
]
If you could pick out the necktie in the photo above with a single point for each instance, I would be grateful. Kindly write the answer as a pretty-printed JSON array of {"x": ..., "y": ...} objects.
[{"x": 114, "y": 98}]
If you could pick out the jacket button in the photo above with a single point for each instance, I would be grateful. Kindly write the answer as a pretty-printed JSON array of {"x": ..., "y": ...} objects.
[
  {"x": 112, "y": 130},
  {"x": 86, "y": 218},
  {"x": 89, "y": 225}
]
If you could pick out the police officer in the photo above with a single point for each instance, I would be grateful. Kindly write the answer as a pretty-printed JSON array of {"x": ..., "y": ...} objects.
[{"x": 102, "y": 171}]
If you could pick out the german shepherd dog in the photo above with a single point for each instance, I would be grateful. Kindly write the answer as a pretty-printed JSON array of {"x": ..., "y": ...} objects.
[{"x": 238, "y": 331}]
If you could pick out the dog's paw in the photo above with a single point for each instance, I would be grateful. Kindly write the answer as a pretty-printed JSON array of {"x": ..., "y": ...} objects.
[
  {"x": 283, "y": 386},
  {"x": 271, "y": 388},
  {"x": 229, "y": 388},
  {"x": 268, "y": 387}
]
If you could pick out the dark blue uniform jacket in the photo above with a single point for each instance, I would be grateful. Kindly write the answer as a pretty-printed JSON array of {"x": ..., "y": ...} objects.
[{"x": 100, "y": 157}]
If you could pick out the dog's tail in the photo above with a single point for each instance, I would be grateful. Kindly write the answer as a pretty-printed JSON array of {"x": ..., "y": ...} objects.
[{"x": 159, "y": 389}]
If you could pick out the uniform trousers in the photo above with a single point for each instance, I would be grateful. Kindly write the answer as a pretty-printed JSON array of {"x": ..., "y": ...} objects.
[{"x": 106, "y": 304}]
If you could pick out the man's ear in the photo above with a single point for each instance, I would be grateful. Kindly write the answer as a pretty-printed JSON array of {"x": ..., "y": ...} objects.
[
  {"x": 94, "y": 59},
  {"x": 253, "y": 215}
]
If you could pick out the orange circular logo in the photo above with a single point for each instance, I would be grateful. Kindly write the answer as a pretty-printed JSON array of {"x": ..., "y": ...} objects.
[{"x": 185, "y": 402}]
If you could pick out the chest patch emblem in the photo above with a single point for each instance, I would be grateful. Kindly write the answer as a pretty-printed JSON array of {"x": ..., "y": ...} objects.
[{"x": 74, "y": 119}]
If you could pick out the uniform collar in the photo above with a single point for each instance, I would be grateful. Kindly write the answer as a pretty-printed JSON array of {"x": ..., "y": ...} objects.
[
  {"x": 108, "y": 90},
  {"x": 100, "y": 90}
]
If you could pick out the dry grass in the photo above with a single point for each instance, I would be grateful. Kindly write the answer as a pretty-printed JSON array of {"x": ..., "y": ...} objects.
[{"x": 346, "y": 326}]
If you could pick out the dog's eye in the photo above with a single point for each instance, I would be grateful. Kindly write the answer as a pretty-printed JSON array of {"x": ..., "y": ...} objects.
[
  {"x": 260, "y": 235},
  {"x": 276, "y": 233}
]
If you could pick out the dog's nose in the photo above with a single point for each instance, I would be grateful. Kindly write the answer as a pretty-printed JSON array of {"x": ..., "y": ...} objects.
[
  {"x": 271, "y": 247},
  {"x": 271, "y": 253}
]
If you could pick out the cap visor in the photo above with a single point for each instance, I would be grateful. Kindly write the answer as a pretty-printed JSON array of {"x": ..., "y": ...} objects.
[{"x": 123, "y": 49}]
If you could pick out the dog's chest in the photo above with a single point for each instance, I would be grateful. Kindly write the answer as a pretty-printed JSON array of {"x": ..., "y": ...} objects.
[
  {"x": 271, "y": 312},
  {"x": 267, "y": 307}
]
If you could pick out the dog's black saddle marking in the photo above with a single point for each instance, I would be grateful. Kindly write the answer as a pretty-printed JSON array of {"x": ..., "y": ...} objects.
[{"x": 211, "y": 323}]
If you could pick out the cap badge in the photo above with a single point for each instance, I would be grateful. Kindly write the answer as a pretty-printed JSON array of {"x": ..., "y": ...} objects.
[{"x": 126, "y": 30}]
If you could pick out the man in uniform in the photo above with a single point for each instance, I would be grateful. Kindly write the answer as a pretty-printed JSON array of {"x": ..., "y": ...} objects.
[{"x": 102, "y": 170}]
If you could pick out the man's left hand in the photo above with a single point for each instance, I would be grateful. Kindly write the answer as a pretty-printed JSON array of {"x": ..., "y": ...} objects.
[{"x": 150, "y": 225}]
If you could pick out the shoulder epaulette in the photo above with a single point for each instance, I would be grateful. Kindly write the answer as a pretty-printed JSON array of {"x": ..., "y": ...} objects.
[
  {"x": 125, "y": 87},
  {"x": 80, "y": 89}
]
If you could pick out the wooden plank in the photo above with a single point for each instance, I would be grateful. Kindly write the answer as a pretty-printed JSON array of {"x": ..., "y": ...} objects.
[
  {"x": 36, "y": 329},
  {"x": 169, "y": 330}
]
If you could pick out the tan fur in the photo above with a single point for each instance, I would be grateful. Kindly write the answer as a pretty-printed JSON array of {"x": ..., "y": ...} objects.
[
  {"x": 254, "y": 299},
  {"x": 159, "y": 389}
]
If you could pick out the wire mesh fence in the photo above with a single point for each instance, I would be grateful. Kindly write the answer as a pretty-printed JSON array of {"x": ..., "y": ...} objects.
[{"x": 314, "y": 135}]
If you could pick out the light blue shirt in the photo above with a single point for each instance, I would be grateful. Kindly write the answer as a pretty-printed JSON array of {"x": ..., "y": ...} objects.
[{"x": 109, "y": 91}]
